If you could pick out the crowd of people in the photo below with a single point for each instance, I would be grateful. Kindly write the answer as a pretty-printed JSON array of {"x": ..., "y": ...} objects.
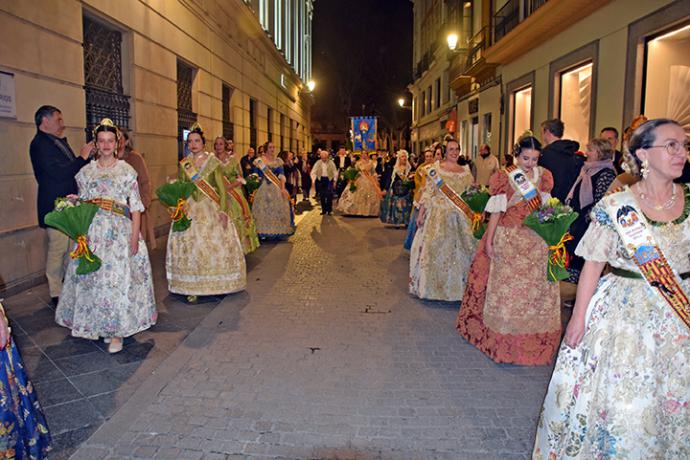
[{"x": 621, "y": 379}]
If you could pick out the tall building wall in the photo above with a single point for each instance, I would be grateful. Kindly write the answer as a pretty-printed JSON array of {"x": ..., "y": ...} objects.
[{"x": 223, "y": 41}]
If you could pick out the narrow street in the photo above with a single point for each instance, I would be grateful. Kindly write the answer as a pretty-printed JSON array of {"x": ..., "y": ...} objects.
[{"x": 325, "y": 356}]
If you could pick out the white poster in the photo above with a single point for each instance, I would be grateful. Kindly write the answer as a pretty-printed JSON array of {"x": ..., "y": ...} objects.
[{"x": 8, "y": 98}]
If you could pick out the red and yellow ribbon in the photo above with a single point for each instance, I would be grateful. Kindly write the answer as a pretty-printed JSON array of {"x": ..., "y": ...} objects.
[
  {"x": 82, "y": 249},
  {"x": 178, "y": 213},
  {"x": 558, "y": 255},
  {"x": 477, "y": 219}
]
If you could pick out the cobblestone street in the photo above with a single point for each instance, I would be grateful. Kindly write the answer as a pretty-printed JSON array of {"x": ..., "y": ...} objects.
[{"x": 326, "y": 356}]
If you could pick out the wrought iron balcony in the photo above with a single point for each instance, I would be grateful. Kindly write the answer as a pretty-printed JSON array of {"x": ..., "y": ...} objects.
[{"x": 509, "y": 16}]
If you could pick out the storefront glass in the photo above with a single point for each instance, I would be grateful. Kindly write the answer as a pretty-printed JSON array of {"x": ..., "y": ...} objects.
[
  {"x": 667, "y": 79},
  {"x": 576, "y": 102},
  {"x": 522, "y": 112}
]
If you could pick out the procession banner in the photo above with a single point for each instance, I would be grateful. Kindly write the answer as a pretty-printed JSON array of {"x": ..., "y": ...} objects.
[{"x": 363, "y": 133}]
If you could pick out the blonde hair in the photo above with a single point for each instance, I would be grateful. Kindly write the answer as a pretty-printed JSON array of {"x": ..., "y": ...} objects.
[{"x": 603, "y": 147}]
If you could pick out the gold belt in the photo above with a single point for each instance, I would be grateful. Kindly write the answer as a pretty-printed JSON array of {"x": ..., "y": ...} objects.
[{"x": 113, "y": 206}]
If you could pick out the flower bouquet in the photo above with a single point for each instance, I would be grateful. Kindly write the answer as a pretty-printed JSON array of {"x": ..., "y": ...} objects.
[
  {"x": 350, "y": 175},
  {"x": 174, "y": 195},
  {"x": 476, "y": 198},
  {"x": 552, "y": 221},
  {"x": 73, "y": 218},
  {"x": 253, "y": 182}
]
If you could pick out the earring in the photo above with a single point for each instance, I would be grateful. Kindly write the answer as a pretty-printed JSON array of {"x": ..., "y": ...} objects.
[{"x": 645, "y": 168}]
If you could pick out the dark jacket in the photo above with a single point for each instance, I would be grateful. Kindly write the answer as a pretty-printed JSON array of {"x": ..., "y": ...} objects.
[
  {"x": 347, "y": 163},
  {"x": 247, "y": 165},
  {"x": 561, "y": 159},
  {"x": 54, "y": 169}
]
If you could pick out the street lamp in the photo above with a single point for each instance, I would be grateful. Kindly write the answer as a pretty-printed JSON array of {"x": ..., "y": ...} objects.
[
  {"x": 311, "y": 84},
  {"x": 401, "y": 102},
  {"x": 452, "y": 41}
]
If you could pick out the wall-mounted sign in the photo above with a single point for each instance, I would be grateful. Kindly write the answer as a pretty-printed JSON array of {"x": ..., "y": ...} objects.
[{"x": 8, "y": 98}]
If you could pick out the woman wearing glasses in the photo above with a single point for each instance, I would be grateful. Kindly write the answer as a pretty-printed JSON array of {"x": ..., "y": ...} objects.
[{"x": 620, "y": 386}]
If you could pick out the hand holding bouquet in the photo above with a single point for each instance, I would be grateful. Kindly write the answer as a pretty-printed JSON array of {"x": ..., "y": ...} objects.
[
  {"x": 73, "y": 218},
  {"x": 253, "y": 182},
  {"x": 552, "y": 221},
  {"x": 350, "y": 175},
  {"x": 476, "y": 197},
  {"x": 175, "y": 195}
]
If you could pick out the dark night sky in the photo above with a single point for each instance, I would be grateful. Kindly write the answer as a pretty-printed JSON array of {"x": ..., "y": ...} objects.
[{"x": 362, "y": 56}]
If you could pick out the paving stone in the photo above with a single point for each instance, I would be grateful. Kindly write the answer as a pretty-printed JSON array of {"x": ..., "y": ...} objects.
[{"x": 326, "y": 356}]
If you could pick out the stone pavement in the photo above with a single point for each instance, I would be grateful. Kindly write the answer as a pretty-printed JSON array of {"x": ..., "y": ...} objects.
[{"x": 326, "y": 356}]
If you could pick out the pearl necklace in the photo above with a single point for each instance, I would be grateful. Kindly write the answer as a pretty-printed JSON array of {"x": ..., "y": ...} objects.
[{"x": 668, "y": 204}]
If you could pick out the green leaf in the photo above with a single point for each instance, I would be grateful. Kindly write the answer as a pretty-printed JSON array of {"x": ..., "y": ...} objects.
[{"x": 169, "y": 193}]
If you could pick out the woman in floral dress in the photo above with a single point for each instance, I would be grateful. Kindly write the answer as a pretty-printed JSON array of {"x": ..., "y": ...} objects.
[
  {"x": 23, "y": 429},
  {"x": 621, "y": 386},
  {"x": 239, "y": 206},
  {"x": 443, "y": 246},
  {"x": 271, "y": 207},
  {"x": 510, "y": 311},
  {"x": 419, "y": 182},
  {"x": 207, "y": 258},
  {"x": 366, "y": 199},
  {"x": 116, "y": 300},
  {"x": 397, "y": 204}
]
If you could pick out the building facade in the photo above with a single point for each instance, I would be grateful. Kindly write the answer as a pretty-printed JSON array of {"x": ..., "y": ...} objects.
[
  {"x": 239, "y": 68},
  {"x": 591, "y": 63},
  {"x": 433, "y": 102}
]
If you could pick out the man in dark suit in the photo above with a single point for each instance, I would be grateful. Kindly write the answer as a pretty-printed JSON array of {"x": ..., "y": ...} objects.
[
  {"x": 55, "y": 165},
  {"x": 611, "y": 134},
  {"x": 342, "y": 162},
  {"x": 560, "y": 157}
]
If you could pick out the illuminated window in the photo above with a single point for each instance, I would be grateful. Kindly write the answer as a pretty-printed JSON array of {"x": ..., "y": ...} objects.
[
  {"x": 576, "y": 102},
  {"x": 521, "y": 113},
  {"x": 667, "y": 79}
]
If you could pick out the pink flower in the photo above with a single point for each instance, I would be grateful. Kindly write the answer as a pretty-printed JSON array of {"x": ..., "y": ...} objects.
[{"x": 671, "y": 405}]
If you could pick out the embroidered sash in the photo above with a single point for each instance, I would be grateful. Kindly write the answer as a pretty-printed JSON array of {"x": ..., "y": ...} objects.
[
  {"x": 237, "y": 196},
  {"x": 371, "y": 179},
  {"x": 633, "y": 228},
  {"x": 268, "y": 173},
  {"x": 521, "y": 184},
  {"x": 195, "y": 176},
  {"x": 452, "y": 196}
]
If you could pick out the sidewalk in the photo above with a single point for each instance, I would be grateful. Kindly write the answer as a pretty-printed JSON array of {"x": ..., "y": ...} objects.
[{"x": 79, "y": 384}]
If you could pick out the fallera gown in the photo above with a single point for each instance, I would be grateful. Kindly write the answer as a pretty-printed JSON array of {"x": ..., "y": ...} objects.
[
  {"x": 116, "y": 300},
  {"x": 240, "y": 211},
  {"x": 207, "y": 258},
  {"x": 443, "y": 246},
  {"x": 366, "y": 199},
  {"x": 624, "y": 391},
  {"x": 510, "y": 311}
]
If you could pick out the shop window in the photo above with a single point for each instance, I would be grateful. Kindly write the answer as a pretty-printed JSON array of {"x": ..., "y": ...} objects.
[
  {"x": 575, "y": 102},
  {"x": 521, "y": 113},
  {"x": 486, "y": 129},
  {"x": 667, "y": 77},
  {"x": 429, "y": 99}
]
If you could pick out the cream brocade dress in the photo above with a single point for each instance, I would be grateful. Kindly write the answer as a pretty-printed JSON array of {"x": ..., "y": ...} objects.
[
  {"x": 366, "y": 199},
  {"x": 624, "y": 392},
  {"x": 443, "y": 246},
  {"x": 206, "y": 259}
]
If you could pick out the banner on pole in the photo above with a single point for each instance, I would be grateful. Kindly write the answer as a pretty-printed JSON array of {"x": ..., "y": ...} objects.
[{"x": 363, "y": 133}]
